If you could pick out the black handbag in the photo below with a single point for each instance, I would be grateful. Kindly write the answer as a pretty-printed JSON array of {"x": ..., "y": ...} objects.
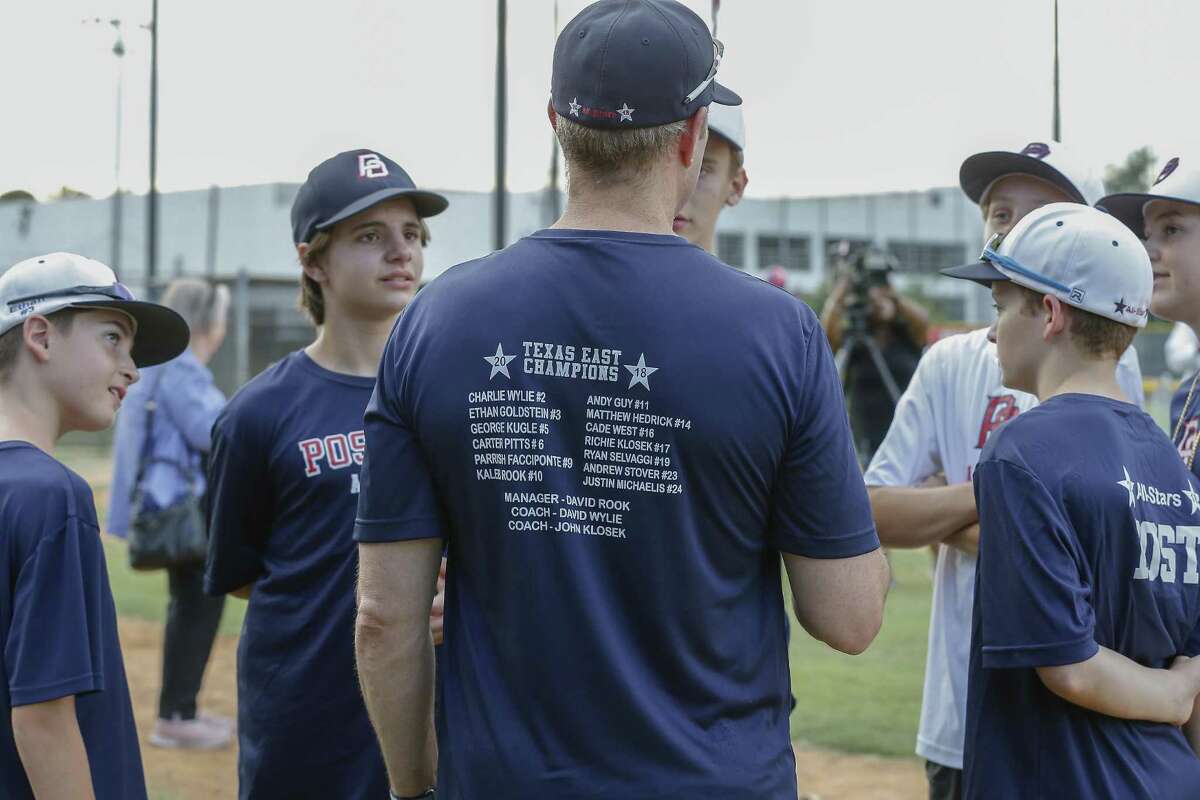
[{"x": 175, "y": 536}]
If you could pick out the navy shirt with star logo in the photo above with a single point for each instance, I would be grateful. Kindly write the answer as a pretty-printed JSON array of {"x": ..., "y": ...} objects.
[
  {"x": 283, "y": 488},
  {"x": 617, "y": 435},
  {"x": 58, "y": 624},
  {"x": 1089, "y": 530}
]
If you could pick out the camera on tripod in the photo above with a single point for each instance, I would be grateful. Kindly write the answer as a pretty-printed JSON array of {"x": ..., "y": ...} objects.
[{"x": 865, "y": 267}]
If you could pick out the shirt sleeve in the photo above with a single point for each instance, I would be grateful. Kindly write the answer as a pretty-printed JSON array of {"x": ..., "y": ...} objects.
[
  {"x": 908, "y": 453},
  {"x": 819, "y": 503},
  {"x": 1129, "y": 377},
  {"x": 239, "y": 503},
  {"x": 191, "y": 402},
  {"x": 1035, "y": 603},
  {"x": 397, "y": 499},
  {"x": 54, "y": 647}
]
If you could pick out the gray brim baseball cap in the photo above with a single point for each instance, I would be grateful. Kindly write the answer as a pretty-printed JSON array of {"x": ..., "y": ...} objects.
[{"x": 50, "y": 283}]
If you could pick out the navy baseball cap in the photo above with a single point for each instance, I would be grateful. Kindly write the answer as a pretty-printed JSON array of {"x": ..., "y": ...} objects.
[
  {"x": 351, "y": 182},
  {"x": 636, "y": 63}
]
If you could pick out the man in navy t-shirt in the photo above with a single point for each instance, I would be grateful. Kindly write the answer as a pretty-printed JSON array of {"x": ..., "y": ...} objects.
[
  {"x": 1087, "y": 587},
  {"x": 68, "y": 353},
  {"x": 618, "y": 436},
  {"x": 284, "y": 483}
]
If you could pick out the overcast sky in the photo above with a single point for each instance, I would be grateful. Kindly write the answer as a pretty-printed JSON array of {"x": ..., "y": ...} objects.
[{"x": 841, "y": 96}]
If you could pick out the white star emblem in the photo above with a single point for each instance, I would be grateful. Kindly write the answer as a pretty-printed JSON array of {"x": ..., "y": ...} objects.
[
  {"x": 626, "y": 113},
  {"x": 1191, "y": 494},
  {"x": 574, "y": 106},
  {"x": 640, "y": 372},
  {"x": 1128, "y": 484},
  {"x": 499, "y": 363}
]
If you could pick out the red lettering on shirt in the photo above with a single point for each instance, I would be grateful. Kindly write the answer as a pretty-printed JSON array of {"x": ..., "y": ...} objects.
[{"x": 1000, "y": 409}]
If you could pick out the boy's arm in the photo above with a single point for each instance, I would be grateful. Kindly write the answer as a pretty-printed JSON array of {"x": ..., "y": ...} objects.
[
  {"x": 51, "y": 749},
  {"x": 907, "y": 514},
  {"x": 1110, "y": 683},
  {"x": 914, "y": 516},
  {"x": 1191, "y": 728}
]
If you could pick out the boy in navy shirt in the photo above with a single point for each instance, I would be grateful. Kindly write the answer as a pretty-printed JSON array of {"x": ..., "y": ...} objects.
[
  {"x": 1087, "y": 588},
  {"x": 617, "y": 436},
  {"x": 71, "y": 341},
  {"x": 284, "y": 483}
]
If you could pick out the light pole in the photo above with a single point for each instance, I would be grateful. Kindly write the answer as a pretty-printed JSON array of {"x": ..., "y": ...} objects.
[
  {"x": 1057, "y": 122},
  {"x": 152, "y": 194},
  {"x": 118, "y": 50},
  {"x": 498, "y": 200}
]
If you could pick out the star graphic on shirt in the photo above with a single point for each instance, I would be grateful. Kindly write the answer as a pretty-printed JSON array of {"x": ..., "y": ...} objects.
[
  {"x": 1120, "y": 306},
  {"x": 499, "y": 363},
  {"x": 574, "y": 104},
  {"x": 1128, "y": 484},
  {"x": 640, "y": 372},
  {"x": 1191, "y": 494},
  {"x": 626, "y": 113}
]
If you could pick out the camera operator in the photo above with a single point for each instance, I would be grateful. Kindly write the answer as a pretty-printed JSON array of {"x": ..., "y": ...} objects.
[{"x": 896, "y": 324}]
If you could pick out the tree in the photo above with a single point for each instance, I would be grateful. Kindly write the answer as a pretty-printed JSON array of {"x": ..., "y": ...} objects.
[
  {"x": 1135, "y": 174},
  {"x": 67, "y": 193},
  {"x": 17, "y": 196}
]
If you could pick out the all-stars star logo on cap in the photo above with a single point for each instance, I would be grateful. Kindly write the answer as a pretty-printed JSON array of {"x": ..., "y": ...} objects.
[
  {"x": 574, "y": 104},
  {"x": 499, "y": 363},
  {"x": 626, "y": 112},
  {"x": 640, "y": 372},
  {"x": 1120, "y": 306}
]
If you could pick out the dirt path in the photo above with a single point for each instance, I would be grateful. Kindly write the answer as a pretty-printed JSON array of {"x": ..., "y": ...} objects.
[{"x": 174, "y": 775}]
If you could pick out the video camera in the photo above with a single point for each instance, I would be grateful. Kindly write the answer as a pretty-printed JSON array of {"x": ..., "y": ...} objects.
[{"x": 865, "y": 267}]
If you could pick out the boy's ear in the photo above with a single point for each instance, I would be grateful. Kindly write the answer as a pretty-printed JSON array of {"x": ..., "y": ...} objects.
[
  {"x": 311, "y": 266},
  {"x": 1056, "y": 316},
  {"x": 36, "y": 333}
]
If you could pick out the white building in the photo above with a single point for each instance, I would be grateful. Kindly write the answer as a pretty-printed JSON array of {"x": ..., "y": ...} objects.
[{"x": 220, "y": 232}]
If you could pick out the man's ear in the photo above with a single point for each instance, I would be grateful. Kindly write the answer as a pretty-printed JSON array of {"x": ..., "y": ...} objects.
[
  {"x": 695, "y": 137},
  {"x": 36, "y": 331},
  {"x": 737, "y": 187},
  {"x": 1056, "y": 315},
  {"x": 311, "y": 266},
  {"x": 552, "y": 114}
]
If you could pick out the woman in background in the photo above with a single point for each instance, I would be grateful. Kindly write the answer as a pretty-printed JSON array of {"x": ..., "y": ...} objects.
[{"x": 187, "y": 401}]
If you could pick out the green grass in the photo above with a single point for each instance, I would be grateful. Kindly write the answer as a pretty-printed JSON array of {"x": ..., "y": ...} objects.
[{"x": 868, "y": 703}]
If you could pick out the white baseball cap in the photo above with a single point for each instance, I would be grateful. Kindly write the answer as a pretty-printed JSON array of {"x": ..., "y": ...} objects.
[
  {"x": 1172, "y": 183},
  {"x": 1050, "y": 160},
  {"x": 1081, "y": 255},
  {"x": 49, "y": 283},
  {"x": 728, "y": 123}
]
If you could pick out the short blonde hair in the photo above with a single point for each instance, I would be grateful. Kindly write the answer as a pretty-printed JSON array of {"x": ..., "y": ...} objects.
[
  {"x": 312, "y": 301},
  {"x": 201, "y": 304},
  {"x": 613, "y": 156}
]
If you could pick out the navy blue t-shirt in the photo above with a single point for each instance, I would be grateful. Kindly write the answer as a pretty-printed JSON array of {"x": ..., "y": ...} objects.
[
  {"x": 1089, "y": 531},
  {"x": 617, "y": 434},
  {"x": 58, "y": 625},
  {"x": 1187, "y": 434},
  {"x": 283, "y": 488}
]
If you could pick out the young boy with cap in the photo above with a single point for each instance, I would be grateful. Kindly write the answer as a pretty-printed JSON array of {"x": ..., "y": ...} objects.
[
  {"x": 284, "y": 483},
  {"x": 616, "y": 469},
  {"x": 954, "y": 403},
  {"x": 722, "y": 180},
  {"x": 1087, "y": 587},
  {"x": 71, "y": 341},
  {"x": 1168, "y": 216}
]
